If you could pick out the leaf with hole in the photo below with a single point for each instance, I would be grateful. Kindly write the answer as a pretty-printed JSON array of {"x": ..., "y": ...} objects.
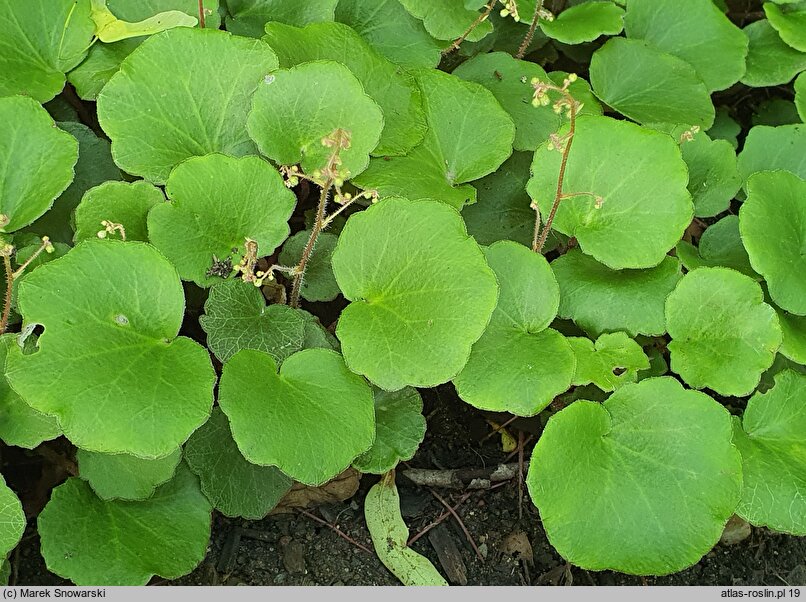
[{"x": 612, "y": 361}]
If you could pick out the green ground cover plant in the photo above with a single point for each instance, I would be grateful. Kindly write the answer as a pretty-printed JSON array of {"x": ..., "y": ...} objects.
[{"x": 560, "y": 208}]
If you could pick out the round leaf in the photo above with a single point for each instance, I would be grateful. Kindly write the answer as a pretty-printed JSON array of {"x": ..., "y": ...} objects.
[
  {"x": 234, "y": 486},
  {"x": 790, "y": 24},
  {"x": 614, "y": 360},
  {"x": 448, "y": 19},
  {"x": 652, "y": 468},
  {"x": 319, "y": 283},
  {"x": 121, "y": 476},
  {"x": 769, "y": 148},
  {"x": 12, "y": 519},
  {"x": 124, "y": 203},
  {"x": 37, "y": 161},
  {"x": 294, "y": 109},
  {"x": 217, "y": 203},
  {"x": 421, "y": 293},
  {"x": 310, "y": 420},
  {"x": 585, "y": 22},
  {"x": 723, "y": 334},
  {"x": 518, "y": 365},
  {"x": 248, "y": 17},
  {"x": 641, "y": 179},
  {"x": 198, "y": 85},
  {"x": 770, "y": 437},
  {"x": 649, "y": 85},
  {"x": 96, "y": 542},
  {"x": 123, "y": 382},
  {"x": 770, "y": 61}
]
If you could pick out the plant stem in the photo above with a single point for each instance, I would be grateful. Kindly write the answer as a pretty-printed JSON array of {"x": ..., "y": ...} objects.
[
  {"x": 9, "y": 288},
  {"x": 201, "y": 14},
  {"x": 306, "y": 253},
  {"x": 476, "y": 23},
  {"x": 531, "y": 33},
  {"x": 37, "y": 253}
]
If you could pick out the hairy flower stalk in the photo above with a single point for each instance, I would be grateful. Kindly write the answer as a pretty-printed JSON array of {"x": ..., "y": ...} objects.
[{"x": 11, "y": 275}]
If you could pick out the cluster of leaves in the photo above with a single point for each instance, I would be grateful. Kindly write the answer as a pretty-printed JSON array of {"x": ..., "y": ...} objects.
[{"x": 524, "y": 234}]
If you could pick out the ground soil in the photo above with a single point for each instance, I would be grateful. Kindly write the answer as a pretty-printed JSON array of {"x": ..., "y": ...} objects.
[{"x": 293, "y": 549}]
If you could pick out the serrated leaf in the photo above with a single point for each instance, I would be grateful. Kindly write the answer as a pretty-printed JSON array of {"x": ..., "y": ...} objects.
[
  {"x": 600, "y": 300},
  {"x": 770, "y": 437},
  {"x": 612, "y": 361},
  {"x": 311, "y": 419},
  {"x": 695, "y": 31},
  {"x": 390, "y": 535},
  {"x": 720, "y": 245},
  {"x": 448, "y": 19},
  {"x": 37, "y": 159},
  {"x": 776, "y": 208},
  {"x": 319, "y": 283},
  {"x": 110, "y": 28},
  {"x": 394, "y": 89},
  {"x": 641, "y": 179},
  {"x": 40, "y": 41},
  {"x": 469, "y": 137},
  {"x": 399, "y": 430},
  {"x": 12, "y": 519},
  {"x": 770, "y": 148},
  {"x": 96, "y": 542},
  {"x": 652, "y": 468},
  {"x": 392, "y": 31},
  {"x": 121, "y": 476},
  {"x": 409, "y": 267},
  {"x": 92, "y": 378},
  {"x": 199, "y": 83},
  {"x": 236, "y": 317},
  {"x": 20, "y": 424},
  {"x": 249, "y": 17},
  {"x": 723, "y": 334},
  {"x": 124, "y": 203},
  {"x": 790, "y": 24},
  {"x": 585, "y": 22},
  {"x": 648, "y": 85},
  {"x": 217, "y": 203},
  {"x": 293, "y": 110},
  {"x": 235, "y": 487},
  {"x": 770, "y": 61},
  {"x": 94, "y": 166},
  {"x": 519, "y": 365}
]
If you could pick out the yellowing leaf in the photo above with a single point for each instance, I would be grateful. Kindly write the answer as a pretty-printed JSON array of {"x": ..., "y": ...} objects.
[{"x": 109, "y": 28}]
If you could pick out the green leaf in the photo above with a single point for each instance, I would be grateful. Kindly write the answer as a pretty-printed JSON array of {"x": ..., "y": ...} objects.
[
  {"x": 5, "y": 571},
  {"x": 102, "y": 62},
  {"x": 725, "y": 127},
  {"x": 137, "y": 10},
  {"x": 600, "y": 300},
  {"x": 469, "y": 137},
  {"x": 448, "y": 19},
  {"x": 775, "y": 210},
  {"x": 236, "y": 317},
  {"x": 800, "y": 96},
  {"x": 217, "y": 203},
  {"x": 310, "y": 420},
  {"x": 399, "y": 430},
  {"x": 199, "y": 83},
  {"x": 37, "y": 161},
  {"x": 519, "y": 365},
  {"x": 40, "y": 41},
  {"x": 794, "y": 330},
  {"x": 92, "y": 378},
  {"x": 641, "y": 179},
  {"x": 648, "y": 85},
  {"x": 234, "y": 486},
  {"x": 776, "y": 111},
  {"x": 319, "y": 283},
  {"x": 790, "y": 24},
  {"x": 585, "y": 22},
  {"x": 652, "y": 468},
  {"x": 509, "y": 81},
  {"x": 124, "y": 203},
  {"x": 394, "y": 90},
  {"x": 390, "y": 536},
  {"x": 20, "y": 424},
  {"x": 770, "y": 148},
  {"x": 421, "y": 293},
  {"x": 713, "y": 178},
  {"x": 12, "y": 519},
  {"x": 249, "y": 17},
  {"x": 294, "y": 109},
  {"x": 94, "y": 166},
  {"x": 581, "y": 92},
  {"x": 121, "y": 476},
  {"x": 109, "y": 28},
  {"x": 614, "y": 360},
  {"x": 96, "y": 542},
  {"x": 720, "y": 245},
  {"x": 770, "y": 437},
  {"x": 392, "y": 31},
  {"x": 723, "y": 334},
  {"x": 316, "y": 335},
  {"x": 695, "y": 31},
  {"x": 770, "y": 61}
]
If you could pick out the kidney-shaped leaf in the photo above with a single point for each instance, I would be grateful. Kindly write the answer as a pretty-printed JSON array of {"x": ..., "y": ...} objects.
[
  {"x": 629, "y": 209},
  {"x": 311, "y": 419},
  {"x": 110, "y": 367},
  {"x": 421, "y": 293},
  {"x": 652, "y": 468},
  {"x": 612, "y": 361},
  {"x": 723, "y": 334},
  {"x": 95, "y": 542},
  {"x": 182, "y": 93},
  {"x": 126, "y": 477}
]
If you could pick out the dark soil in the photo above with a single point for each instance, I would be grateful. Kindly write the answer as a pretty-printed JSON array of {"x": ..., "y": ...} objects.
[{"x": 292, "y": 549}]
